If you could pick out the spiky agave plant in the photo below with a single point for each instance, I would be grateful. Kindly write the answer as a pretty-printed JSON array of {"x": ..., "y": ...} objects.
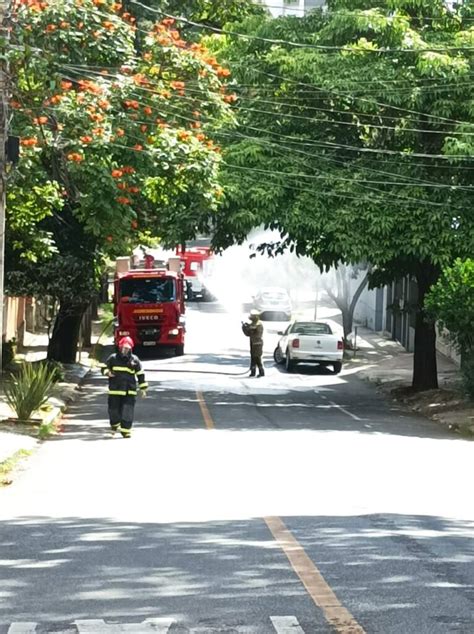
[{"x": 29, "y": 390}]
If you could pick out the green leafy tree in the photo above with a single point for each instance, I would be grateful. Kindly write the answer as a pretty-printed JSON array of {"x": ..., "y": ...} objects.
[
  {"x": 451, "y": 302},
  {"x": 114, "y": 142},
  {"x": 355, "y": 143},
  {"x": 214, "y": 13}
]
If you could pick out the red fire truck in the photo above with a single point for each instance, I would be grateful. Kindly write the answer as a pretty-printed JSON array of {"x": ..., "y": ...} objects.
[
  {"x": 197, "y": 265},
  {"x": 149, "y": 302}
]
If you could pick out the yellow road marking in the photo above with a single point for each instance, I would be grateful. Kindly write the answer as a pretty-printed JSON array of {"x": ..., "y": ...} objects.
[
  {"x": 204, "y": 411},
  {"x": 335, "y": 613}
]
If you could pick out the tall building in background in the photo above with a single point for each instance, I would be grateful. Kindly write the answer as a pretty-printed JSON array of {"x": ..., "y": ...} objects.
[{"x": 291, "y": 7}]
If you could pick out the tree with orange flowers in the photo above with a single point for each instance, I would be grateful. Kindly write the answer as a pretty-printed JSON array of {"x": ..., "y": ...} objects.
[{"x": 114, "y": 143}]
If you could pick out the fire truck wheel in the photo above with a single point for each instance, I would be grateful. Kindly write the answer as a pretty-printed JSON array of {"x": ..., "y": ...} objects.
[{"x": 179, "y": 351}]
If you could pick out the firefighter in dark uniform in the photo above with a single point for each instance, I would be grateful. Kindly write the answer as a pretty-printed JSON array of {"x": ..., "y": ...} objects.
[
  {"x": 254, "y": 330},
  {"x": 124, "y": 370}
]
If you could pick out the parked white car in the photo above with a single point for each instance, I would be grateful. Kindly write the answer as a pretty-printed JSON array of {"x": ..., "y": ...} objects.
[
  {"x": 273, "y": 303},
  {"x": 309, "y": 342}
]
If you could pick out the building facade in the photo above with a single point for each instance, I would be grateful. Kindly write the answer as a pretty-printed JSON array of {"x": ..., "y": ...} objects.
[{"x": 297, "y": 8}]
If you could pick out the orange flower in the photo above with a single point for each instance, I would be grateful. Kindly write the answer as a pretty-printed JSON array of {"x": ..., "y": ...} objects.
[
  {"x": 29, "y": 142},
  {"x": 66, "y": 85},
  {"x": 177, "y": 85},
  {"x": 143, "y": 127},
  {"x": 196, "y": 114},
  {"x": 75, "y": 157},
  {"x": 131, "y": 103},
  {"x": 110, "y": 26},
  {"x": 120, "y": 132},
  {"x": 147, "y": 57},
  {"x": 138, "y": 147},
  {"x": 50, "y": 28},
  {"x": 223, "y": 72},
  {"x": 183, "y": 135},
  {"x": 165, "y": 93},
  {"x": 109, "y": 239},
  {"x": 196, "y": 124},
  {"x": 122, "y": 186},
  {"x": 64, "y": 25},
  {"x": 97, "y": 117},
  {"x": 123, "y": 200},
  {"x": 201, "y": 137},
  {"x": 133, "y": 190},
  {"x": 147, "y": 110},
  {"x": 230, "y": 98},
  {"x": 134, "y": 224},
  {"x": 117, "y": 173},
  {"x": 98, "y": 131},
  {"x": 86, "y": 139},
  {"x": 128, "y": 169},
  {"x": 41, "y": 120},
  {"x": 103, "y": 103},
  {"x": 168, "y": 22},
  {"x": 56, "y": 99}
]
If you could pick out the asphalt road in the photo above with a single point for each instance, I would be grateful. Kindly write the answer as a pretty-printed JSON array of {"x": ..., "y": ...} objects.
[{"x": 296, "y": 503}]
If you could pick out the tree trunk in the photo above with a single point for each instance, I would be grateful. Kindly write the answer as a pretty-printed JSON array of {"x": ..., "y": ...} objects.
[
  {"x": 64, "y": 340},
  {"x": 347, "y": 307},
  {"x": 425, "y": 370},
  {"x": 86, "y": 328}
]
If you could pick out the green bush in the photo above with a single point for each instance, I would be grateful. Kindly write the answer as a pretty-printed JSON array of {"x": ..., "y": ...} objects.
[
  {"x": 8, "y": 352},
  {"x": 56, "y": 367},
  {"x": 29, "y": 390}
]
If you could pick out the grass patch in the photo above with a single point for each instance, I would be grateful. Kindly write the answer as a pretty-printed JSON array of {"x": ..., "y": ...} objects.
[{"x": 8, "y": 465}]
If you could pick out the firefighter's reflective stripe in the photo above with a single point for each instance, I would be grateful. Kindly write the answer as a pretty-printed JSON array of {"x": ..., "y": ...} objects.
[
  {"x": 143, "y": 386},
  {"x": 117, "y": 392},
  {"x": 121, "y": 368}
]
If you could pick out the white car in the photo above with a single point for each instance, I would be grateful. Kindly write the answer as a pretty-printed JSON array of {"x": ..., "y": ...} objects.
[
  {"x": 273, "y": 303},
  {"x": 309, "y": 342}
]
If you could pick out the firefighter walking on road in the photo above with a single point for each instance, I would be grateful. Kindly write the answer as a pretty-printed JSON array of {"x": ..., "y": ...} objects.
[
  {"x": 126, "y": 378},
  {"x": 254, "y": 330}
]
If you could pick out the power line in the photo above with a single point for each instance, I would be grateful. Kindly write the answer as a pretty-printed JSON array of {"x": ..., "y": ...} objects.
[{"x": 299, "y": 45}]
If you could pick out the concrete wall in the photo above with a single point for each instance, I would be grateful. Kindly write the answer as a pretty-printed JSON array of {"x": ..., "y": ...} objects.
[
  {"x": 14, "y": 318},
  {"x": 292, "y": 7}
]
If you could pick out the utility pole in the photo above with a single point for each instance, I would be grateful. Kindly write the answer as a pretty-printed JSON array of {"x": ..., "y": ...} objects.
[{"x": 4, "y": 91}]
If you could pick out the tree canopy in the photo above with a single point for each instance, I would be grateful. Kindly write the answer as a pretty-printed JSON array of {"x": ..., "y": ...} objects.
[
  {"x": 116, "y": 129},
  {"x": 353, "y": 140}
]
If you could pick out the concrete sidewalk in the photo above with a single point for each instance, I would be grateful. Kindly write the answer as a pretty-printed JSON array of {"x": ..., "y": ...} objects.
[
  {"x": 34, "y": 349},
  {"x": 385, "y": 361}
]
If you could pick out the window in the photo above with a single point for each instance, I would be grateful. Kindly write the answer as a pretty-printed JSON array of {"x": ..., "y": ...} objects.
[
  {"x": 148, "y": 290},
  {"x": 310, "y": 328}
]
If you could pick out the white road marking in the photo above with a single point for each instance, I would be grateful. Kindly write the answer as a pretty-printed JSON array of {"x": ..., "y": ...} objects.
[
  {"x": 286, "y": 625},
  {"x": 343, "y": 409},
  {"x": 22, "y": 628},
  {"x": 98, "y": 626}
]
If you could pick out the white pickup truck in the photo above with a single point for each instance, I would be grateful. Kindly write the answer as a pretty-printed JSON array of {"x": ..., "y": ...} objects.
[{"x": 309, "y": 342}]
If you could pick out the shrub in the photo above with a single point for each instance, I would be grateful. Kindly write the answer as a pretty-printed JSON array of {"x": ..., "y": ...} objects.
[
  {"x": 56, "y": 367},
  {"x": 29, "y": 390},
  {"x": 8, "y": 352}
]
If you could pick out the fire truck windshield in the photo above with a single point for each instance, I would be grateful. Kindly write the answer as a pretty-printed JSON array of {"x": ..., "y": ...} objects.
[{"x": 148, "y": 290}]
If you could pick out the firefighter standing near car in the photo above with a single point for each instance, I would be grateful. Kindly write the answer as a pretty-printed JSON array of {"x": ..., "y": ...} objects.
[
  {"x": 254, "y": 330},
  {"x": 126, "y": 378}
]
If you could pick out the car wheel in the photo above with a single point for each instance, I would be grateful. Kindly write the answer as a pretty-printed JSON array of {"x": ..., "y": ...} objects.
[
  {"x": 278, "y": 356},
  {"x": 337, "y": 367},
  {"x": 179, "y": 351},
  {"x": 289, "y": 364}
]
